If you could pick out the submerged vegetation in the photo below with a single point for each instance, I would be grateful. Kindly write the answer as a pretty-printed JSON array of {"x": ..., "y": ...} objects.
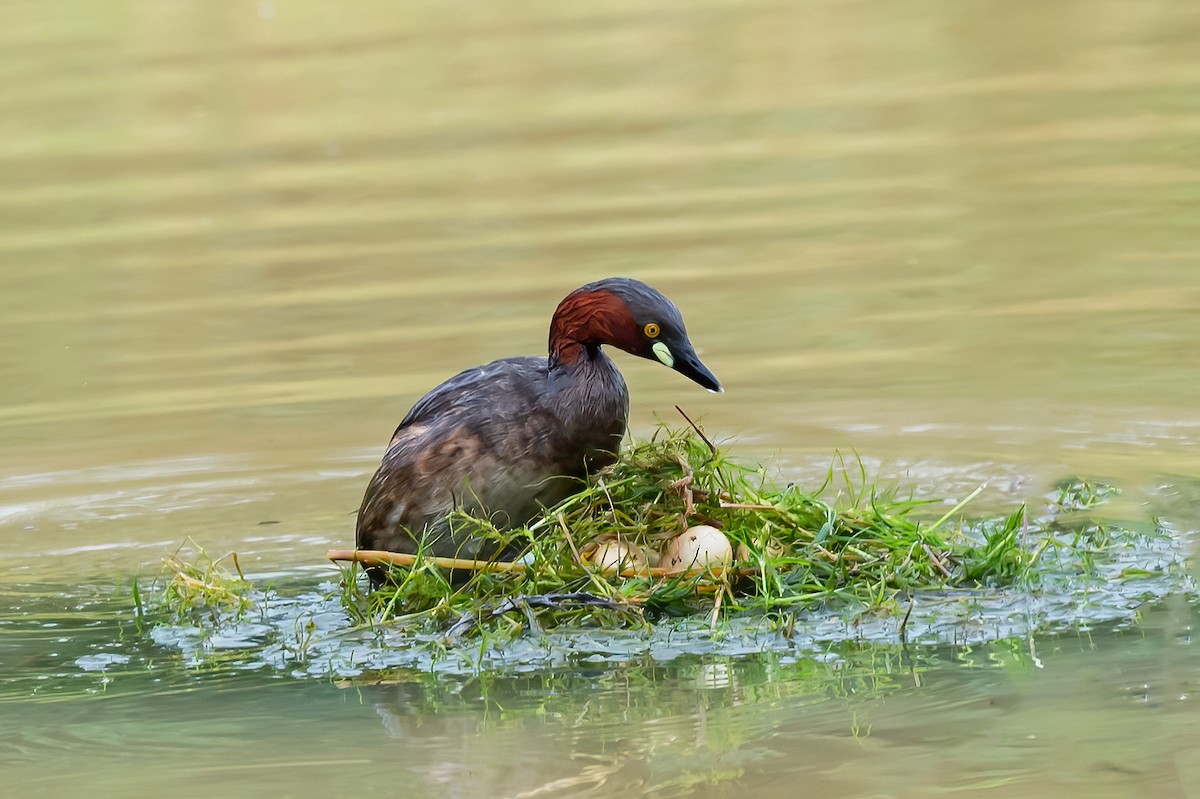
[{"x": 848, "y": 560}]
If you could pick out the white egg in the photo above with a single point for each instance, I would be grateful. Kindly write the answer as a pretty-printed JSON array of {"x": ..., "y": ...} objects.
[
  {"x": 699, "y": 547},
  {"x": 613, "y": 557}
]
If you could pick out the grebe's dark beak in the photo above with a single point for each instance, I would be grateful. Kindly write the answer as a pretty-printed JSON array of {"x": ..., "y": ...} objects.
[
  {"x": 688, "y": 365},
  {"x": 698, "y": 372},
  {"x": 680, "y": 356}
]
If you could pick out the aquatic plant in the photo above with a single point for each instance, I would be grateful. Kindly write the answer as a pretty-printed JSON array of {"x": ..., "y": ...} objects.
[
  {"x": 849, "y": 559},
  {"x": 864, "y": 546},
  {"x": 195, "y": 583}
]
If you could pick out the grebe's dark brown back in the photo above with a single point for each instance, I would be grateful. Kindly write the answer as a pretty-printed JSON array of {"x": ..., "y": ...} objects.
[{"x": 518, "y": 434}]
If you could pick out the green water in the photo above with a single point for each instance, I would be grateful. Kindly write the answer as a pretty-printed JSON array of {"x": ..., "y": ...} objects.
[{"x": 238, "y": 240}]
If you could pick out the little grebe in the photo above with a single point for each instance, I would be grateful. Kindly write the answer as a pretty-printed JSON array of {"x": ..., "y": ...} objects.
[{"x": 513, "y": 436}]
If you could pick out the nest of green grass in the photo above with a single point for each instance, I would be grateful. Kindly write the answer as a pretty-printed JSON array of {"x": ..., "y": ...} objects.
[
  {"x": 847, "y": 560},
  {"x": 846, "y": 543}
]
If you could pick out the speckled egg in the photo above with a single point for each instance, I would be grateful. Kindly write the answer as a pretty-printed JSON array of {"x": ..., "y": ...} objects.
[{"x": 699, "y": 547}]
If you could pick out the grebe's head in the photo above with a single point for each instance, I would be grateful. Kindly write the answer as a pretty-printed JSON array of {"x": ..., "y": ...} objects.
[{"x": 637, "y": 318}]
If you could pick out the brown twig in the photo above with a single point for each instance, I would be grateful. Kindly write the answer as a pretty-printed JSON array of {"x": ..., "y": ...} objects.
[
  {"x": 684, "y": 486},
  {"x": 936, "y": 560},
  {"x": 377, "y": 557},
  {"x": 711, "y": 446}
]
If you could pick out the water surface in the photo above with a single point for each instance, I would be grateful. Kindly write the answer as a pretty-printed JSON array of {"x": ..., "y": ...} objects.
[{"x": 237, "y": 241}]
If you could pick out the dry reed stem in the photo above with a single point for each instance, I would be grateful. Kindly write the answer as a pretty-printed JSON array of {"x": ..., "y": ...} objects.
[
  {"x": 378, "y": 557},
  {"x": 192, "y": 582},
  {"x": 711, "y": 446},
  {"x": 936, "y": 560},
  {"x": 716, "y": 611}
]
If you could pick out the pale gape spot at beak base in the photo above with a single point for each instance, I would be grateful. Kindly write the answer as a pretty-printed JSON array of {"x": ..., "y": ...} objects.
[{"x": 663, "y": 352}]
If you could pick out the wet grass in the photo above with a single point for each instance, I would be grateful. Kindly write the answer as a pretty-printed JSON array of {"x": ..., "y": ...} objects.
[
  {"x": 194, "y": 584},
  {"x": 846, "y": 547},
  {"x": 846, "y": 561},
  {"x": 846, "y": 543}
]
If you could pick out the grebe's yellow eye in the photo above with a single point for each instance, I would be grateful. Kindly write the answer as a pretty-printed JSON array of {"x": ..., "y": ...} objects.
[{"x": 651, "y": 330}]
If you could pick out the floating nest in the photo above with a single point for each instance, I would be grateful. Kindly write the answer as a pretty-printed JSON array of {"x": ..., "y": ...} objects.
[
  {"x": 847, "y": 553},
  {"x": 792, "y": 548}
]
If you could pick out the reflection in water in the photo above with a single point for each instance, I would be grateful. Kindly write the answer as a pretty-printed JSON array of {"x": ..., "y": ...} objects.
[
  {"x": 237, "y": 240},
  {"x": 1104, "y": 713}
]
